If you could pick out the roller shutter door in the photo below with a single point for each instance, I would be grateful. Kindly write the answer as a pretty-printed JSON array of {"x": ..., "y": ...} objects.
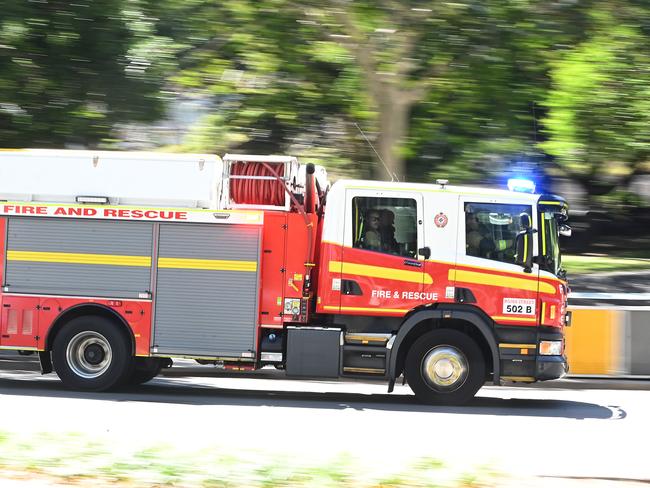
[
  {"x": 207, "y": 289},
  {"x": 98, "y": 258}
]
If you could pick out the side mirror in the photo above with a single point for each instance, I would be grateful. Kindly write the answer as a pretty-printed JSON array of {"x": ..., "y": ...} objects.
[{"x": 565, "y": 230}]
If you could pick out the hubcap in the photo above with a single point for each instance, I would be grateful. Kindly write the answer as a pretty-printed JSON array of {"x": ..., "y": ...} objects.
[
  {"x": 445, "y": 368},
  {"x": 89, "y": 354}
]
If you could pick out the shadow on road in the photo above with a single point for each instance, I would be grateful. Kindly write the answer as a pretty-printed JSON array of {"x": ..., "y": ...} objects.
[{"x": 186, "y": 391}]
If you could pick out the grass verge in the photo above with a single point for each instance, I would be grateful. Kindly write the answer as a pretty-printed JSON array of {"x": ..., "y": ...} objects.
[
  {"x": 74, "y": 460},
  {"x": 602, "y": 264}
]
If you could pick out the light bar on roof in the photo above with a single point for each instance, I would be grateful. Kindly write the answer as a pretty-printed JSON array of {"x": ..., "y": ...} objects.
[{"x": 521, "y": 185}]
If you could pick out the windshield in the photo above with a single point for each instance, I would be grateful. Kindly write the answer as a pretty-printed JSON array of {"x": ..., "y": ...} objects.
[{"x": 552, "y": 259}]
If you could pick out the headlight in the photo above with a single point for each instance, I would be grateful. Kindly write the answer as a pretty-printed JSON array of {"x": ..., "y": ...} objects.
[{"x": 550, "y": 348}]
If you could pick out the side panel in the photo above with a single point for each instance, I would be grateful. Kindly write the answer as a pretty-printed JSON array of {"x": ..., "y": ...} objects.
[
  {"x": 441, "y": 218},
  {"x": 273, "y": 252},
  {"x": 3, "y": 248},
  {"x": 19, "y": 327},
  {"x": 297, "y": 254},
  {"x": 206, "y": 301},
  {"x": 78, "y": 257},
  {"x": 329, "y": 278}
]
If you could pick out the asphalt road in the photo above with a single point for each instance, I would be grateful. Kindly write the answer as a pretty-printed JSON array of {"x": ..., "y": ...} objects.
[{"x": 569, "y": 428}]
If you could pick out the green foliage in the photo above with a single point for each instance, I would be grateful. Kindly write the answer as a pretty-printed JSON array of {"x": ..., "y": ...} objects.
[
  {"x": 298, "y": 77},
  {"x": 599, "y": 104},
  {"x": 441, "y": 89},
  {"x": 70, "y": 71}
]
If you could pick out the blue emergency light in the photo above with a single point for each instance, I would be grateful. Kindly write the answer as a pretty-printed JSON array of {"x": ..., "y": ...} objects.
[{"x": 521, "y": 185}]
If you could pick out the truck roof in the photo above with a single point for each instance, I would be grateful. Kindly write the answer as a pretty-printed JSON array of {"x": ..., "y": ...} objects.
[
  {"x": 435, "y": 187},
  {"x": 124, "y": 177}
]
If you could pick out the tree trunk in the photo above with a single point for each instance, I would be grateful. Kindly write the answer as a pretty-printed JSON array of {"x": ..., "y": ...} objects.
[{"x": 393, "y": 130}]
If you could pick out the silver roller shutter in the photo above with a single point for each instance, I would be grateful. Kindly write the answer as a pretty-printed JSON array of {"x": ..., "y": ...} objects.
[
  {"x": 101, "y": 258},
  {"x": 207, "y": 289}
]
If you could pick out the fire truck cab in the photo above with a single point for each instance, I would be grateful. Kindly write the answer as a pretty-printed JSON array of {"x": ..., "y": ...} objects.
[
  {"x": 252, "y": 261},
  {"x": 464, "y": 284}
]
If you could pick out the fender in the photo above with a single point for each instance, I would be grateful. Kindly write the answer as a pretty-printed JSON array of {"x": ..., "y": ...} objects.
[
  {"x": 447, "y": 311},
  {"x": 89, "y": 308},
  {"x": 45, "y": 357}
]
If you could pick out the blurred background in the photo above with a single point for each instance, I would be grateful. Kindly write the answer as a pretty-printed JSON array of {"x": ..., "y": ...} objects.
[
  {"x": 471, "y": 91},
  {"x": 474, "y": 91}
]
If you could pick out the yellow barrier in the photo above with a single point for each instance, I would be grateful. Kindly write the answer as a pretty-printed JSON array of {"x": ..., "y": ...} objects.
[{"x": 593, "y": 341}]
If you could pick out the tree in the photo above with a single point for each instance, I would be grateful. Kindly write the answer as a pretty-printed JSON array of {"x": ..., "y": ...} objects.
[
  {"x": 70, "y": 70},
  {"x": 435, "y": 85},
  {"x": 599, "y": 104}
]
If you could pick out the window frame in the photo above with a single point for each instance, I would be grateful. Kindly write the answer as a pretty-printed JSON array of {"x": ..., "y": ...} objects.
[
  {"x": 526, "y": 207},
  {"x": 381, "y": 193}
]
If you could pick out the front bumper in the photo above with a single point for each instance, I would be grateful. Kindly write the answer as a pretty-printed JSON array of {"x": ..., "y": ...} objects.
[
  {"x": 529, "y": 368},
  {"x": 551, "y": 367}
]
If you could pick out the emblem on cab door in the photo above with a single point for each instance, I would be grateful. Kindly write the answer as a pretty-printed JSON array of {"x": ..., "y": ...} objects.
[{"x": 440, "y": 220}]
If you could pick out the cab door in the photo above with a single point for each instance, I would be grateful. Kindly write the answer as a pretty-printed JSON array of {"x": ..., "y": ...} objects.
[
  {"x": 485, "y": 260},
  {"x": 381, "y": 271}
]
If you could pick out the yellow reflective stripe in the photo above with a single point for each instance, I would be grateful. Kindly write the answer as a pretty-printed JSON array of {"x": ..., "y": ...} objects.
[
  {"x": 525, "y": 248},
  {"x": 367, "y": 309},
  {"x": 365, "y": 338},
  {"x": 551, "y": 203},
  {"x": 380, "y": 272},
  {"x": 514, "y": 319},
  {"x": 527, "y": 379},
  {"x": 490, "y": 279},
  {"x": 207, "y": 264},
  {"x": 543, "y": 236},
  {"x": 78, "y": 258},
  {"x": 356, "y": 221}
]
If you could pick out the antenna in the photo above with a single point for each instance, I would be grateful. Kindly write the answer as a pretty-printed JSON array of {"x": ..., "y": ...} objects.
[{"x": 393, "y": 176}]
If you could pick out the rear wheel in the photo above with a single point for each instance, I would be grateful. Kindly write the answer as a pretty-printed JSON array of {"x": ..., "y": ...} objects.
[
  {"x": 144, "y": 369},
  {"x": 445, "y": 367},
  {"x": 91, "y": 353}
]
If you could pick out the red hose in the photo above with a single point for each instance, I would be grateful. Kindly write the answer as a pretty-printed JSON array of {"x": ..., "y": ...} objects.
[
  {"x": 270, "y": 192},
  {"x": 256, "y": 192}
]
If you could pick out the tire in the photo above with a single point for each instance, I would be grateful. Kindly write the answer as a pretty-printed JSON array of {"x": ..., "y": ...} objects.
[
  {"x": 144, "y": 369},
  {"x": 91, "y": 353},
  {"x": 445, "y": 367}
]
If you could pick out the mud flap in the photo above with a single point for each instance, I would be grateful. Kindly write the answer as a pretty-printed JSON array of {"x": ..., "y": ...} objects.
[{"x": 45, "y": 360}]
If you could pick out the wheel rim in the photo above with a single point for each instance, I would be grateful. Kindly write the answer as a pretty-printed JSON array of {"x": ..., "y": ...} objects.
[
  {"x": 445, "y": 368},
  {"x": 89, "y": 354}
]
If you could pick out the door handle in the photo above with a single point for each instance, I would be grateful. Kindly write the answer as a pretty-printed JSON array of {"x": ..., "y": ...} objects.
[
  {"x": 410, "y": 262},
  {"x": 351, "y": 287}
]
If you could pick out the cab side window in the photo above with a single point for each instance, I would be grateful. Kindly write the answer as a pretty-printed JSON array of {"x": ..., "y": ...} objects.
[
  {"x": 491, "y": 229},
  {"x": 386, "y": 225}
]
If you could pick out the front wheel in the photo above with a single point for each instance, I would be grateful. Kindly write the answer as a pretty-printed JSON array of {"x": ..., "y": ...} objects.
[
  {"x": 91, "y": 353},
  {"x": 445, "y": 367}
]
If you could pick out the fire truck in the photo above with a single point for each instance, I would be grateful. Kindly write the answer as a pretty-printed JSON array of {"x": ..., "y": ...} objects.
[{"x": 116, "y": 263}]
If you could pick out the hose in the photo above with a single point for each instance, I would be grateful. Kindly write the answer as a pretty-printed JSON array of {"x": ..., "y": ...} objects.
[{"x": 254, "y": 191}]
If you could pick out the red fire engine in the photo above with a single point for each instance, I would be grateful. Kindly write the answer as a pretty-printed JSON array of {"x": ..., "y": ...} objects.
[{"x": 115, "y": 263}]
